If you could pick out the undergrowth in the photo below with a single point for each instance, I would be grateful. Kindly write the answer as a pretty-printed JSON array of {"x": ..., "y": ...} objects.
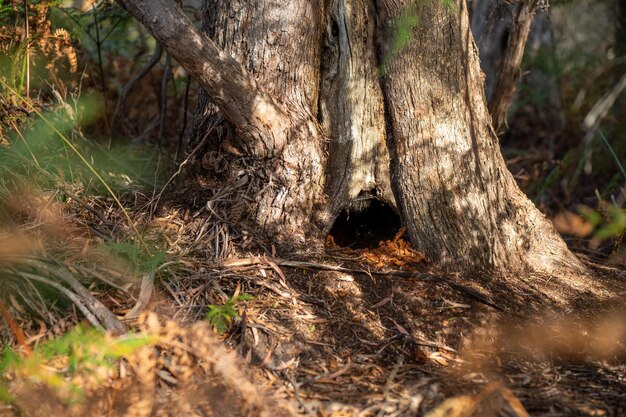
[
  {"x": 55, "y": 362},
  {"x": 74, "y": 198},
  {"x": 221, "y": 316}
]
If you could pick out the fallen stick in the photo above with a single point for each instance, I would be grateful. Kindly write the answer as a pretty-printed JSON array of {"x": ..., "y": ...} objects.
[{"x": 263, "y": 260}]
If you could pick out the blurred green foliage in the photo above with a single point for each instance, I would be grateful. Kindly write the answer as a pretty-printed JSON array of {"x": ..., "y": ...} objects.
[
  {"x": 608, "y": 226},
  {"x": 83, "y": 349},
  {"x": 144, "y": 258}
]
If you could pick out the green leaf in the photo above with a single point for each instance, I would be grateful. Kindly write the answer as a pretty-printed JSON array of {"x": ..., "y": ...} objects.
[
  {"x": 221, "y": 317},
  {"x": 592, "y": 216}
]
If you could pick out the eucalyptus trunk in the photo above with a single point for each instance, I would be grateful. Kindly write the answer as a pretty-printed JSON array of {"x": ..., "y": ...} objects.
[{"x": 357, "y": 97}]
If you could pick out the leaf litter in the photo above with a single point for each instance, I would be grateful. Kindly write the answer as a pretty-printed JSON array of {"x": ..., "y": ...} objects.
[{"x": 368, "y": 332}]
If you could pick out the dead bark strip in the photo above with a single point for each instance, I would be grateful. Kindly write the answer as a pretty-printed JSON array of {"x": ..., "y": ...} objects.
[{"x": 352, "y": 109}]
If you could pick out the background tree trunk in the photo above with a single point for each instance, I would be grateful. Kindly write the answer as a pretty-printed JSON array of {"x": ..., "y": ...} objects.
[
  {"x": 538, "y": 90},
  {"x": 620, "y": 28}
]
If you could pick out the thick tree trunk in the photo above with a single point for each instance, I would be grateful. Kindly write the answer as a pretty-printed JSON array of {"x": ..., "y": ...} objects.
[
  {"x": 280, "y": 43},
  {"x": 458, "y": 200},
  {"x": 319, "y": 64},
  {"x": 272, "y": 149},
  {"x": 342, "y": 91}
]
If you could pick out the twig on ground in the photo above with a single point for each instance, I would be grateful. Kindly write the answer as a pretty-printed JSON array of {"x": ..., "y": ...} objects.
[
  {"x": 239, "y": 262},
  {"x": 147, "y": 284},
  {"x": 296, "y": 393},
  {"x": 89, "y": 208},
  {"x": 93, "y": 305},
  {"x": 77, "y": 300},
  {"x": 392, "y": 376}
]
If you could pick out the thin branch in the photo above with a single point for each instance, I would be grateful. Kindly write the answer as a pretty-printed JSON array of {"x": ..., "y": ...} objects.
[
  {"x": 100, "y": 63},
  {"x": 181, "y": 135},
  {"x": 156, "y": 57},
  {"x": 164, "y": 82},
  {"x": 26, "y": 35},
  {"x": 599, "y": 110},
  {"x": 264, "y": 125}
]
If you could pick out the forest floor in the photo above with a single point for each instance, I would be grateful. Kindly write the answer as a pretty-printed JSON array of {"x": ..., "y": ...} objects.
[
  {"x": 379, "y": 333},
  {"x": 367, "y": 332},
  {"x": 336, "y": 333}
]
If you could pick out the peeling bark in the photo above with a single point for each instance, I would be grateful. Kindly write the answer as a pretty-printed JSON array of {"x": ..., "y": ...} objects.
[{"x": 352, "y": 106}]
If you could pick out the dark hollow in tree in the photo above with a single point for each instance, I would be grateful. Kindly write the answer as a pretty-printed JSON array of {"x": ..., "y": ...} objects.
[
  {"x": 365, "y": 223},
  {"x": 324, "y": 99}
]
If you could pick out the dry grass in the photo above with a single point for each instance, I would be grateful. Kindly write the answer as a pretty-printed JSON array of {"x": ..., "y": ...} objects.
[{"x": 186, "y": 371}]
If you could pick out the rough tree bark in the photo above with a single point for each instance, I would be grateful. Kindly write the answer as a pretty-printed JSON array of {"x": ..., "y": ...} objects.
[
  {"x": 341, "y": 91},
  {"x": 281, "y": 140},
  {"x": 352, "y": 110},
  {"x": 309, "y": 122},
  {"x": 458, "y": 200}
]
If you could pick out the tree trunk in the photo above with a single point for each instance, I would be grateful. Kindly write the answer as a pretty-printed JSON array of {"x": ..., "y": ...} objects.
[
  {"x": 352, "y": 110},
  {"x": 271, "y": 143},
  {"x": 459, "y": 202},
  {"x": 342, "y": 91},
  {"x": 316, "y": 66}
]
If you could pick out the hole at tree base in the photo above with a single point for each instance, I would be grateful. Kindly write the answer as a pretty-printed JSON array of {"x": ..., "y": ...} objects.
[{"x": 365, "y": 223}]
